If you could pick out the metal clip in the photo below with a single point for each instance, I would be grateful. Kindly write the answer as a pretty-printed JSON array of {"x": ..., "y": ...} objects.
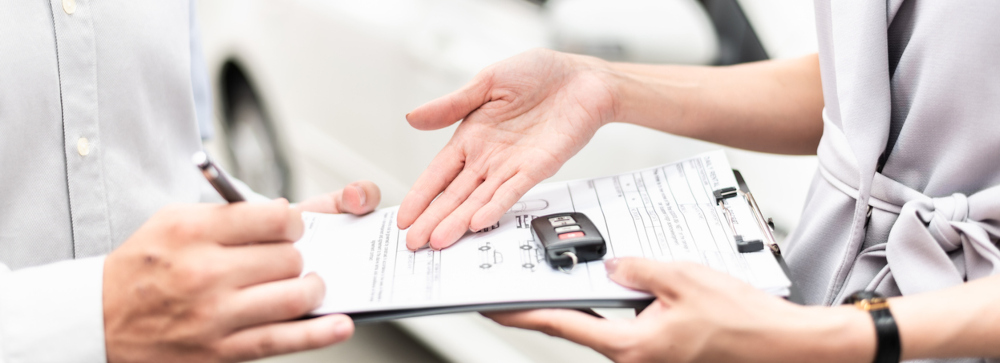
[
  {"x": 572, "y": 256},
  {"x": 742, "y": 246}
]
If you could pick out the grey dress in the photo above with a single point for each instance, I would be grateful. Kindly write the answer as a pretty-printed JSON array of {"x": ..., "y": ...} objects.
[{"x": 912, "y": 138}]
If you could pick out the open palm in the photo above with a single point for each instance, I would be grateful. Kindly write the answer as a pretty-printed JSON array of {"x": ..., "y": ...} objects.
[{"x": 523, "y": 118}]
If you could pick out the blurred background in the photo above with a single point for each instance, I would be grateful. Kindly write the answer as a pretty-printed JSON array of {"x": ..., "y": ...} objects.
[{"x": 311, "y": 95}]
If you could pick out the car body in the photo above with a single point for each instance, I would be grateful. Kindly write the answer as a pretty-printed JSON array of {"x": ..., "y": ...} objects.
[{"x": 312, "y": 95}]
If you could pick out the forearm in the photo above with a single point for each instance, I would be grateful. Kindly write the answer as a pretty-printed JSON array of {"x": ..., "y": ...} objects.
[
  {"x": 962, "y": 321},
  {"x": 771, "y": 106}
]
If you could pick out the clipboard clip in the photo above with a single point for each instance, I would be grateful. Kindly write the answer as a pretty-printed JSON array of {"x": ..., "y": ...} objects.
[
  {"x": 766, "y": 225},
  {"x": 742, "y": 245}
]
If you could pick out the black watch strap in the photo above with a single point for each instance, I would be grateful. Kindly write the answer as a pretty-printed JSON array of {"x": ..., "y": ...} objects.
[{"x": 889, "y": 348}]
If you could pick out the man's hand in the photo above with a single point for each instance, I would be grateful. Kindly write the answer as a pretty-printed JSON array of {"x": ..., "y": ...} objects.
[
  {"x": 220, "y": 283},
  {"x": 523, "y": 119},
  {"x": 702, "y": 315},
  {"x": 359, "y": 198}
]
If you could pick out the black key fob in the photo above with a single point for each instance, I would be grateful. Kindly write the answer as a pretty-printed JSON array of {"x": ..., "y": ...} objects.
[{"x": 568, "y": 238}]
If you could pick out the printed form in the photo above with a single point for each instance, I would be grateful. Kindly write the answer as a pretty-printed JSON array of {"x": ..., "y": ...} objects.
[{"x": 666, "y": 213}]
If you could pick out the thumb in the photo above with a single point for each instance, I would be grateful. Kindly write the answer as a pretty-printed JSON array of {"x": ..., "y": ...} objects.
[
  {"x": 358, "y": 198},
  {"x": 659, "y": 278},
  {"x": 448, "y": 109}
]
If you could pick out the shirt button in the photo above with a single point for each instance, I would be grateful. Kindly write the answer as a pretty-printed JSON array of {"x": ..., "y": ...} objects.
[
  {"x": 69, "y": 6},
  {"x": 83, "y": 146}
]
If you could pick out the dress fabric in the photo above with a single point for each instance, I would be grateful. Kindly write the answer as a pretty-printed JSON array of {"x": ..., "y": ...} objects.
[{"x": 912, "y": 138}]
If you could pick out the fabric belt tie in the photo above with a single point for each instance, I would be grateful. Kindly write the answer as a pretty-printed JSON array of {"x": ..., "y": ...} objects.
[
  {"x": 935, "y": 242},
  {"x": 942, "y": 242}
]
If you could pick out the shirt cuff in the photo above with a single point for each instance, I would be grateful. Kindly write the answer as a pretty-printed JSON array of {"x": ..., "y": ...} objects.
[{"x": 53, "y": 313}]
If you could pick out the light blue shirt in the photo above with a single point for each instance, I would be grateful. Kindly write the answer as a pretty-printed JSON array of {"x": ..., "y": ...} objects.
[{"x": 102, "y": 104}]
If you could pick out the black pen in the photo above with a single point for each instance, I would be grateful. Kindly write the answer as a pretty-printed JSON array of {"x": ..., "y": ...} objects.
[{"x": 216, "y": 177}]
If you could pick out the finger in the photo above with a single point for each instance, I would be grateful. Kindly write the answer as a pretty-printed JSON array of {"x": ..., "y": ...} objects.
[
  {"x": 241, "y": 223},
  {"x": 506, "y": 195},
  {"x": 260, "y": 263},
  {"x": 283, "y": 338},
  {"x": 447, "y": 110},
  {"x": 273, "y": 301},
  {"x": 567, "y": 324},
  {"x": 456, "y": 224},
  {"x": 445, "y": 167},
  {"x": 665, "y": 280},
  {"x": 457, "y": 192},
  {"x": 359, "y": 197}
]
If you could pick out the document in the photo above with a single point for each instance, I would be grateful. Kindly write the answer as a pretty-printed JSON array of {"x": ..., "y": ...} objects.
[{"x": 665, "y": 213}]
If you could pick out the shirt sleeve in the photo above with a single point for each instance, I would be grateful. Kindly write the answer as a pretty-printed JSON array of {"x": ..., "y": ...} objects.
[
  {"x": 53, "y": 313},
  {"x": 199, "y": 80}
]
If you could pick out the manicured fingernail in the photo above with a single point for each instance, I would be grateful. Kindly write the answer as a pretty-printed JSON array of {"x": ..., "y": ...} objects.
[
  {"x": 611, "y": 266},
  {"x": 361, "y": 194}
]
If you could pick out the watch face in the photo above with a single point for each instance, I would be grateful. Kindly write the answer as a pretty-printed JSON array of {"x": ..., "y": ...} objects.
[
  {"x": 867, "y": 300},
  {"x": 859, "y": 296}
]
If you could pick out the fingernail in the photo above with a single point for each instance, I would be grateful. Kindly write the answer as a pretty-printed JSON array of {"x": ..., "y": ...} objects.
[
  {"x": 341, "y": 329},
  {"x": 316, "y": 293},
  {"x": 407, "y": 116},
  {"x": 361, "y": 194},
  {"x": 611, "y": 266}
]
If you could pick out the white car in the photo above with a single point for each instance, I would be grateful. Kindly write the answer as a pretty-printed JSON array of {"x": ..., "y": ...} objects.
[{"x": 311, "y": 95}]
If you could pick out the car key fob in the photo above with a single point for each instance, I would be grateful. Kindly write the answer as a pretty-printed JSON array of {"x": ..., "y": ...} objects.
[{"x": 568, "y": 239}]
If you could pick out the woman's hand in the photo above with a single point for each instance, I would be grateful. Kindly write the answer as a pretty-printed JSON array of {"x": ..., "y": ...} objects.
[
  {"x": 523, "y": 118},
  {"x": 701, "y": 315}
]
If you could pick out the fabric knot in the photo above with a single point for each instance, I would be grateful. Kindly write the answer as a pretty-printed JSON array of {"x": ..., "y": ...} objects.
[
  {"x": 939, "y": 219},
  {"x": 941, "y": 242}
]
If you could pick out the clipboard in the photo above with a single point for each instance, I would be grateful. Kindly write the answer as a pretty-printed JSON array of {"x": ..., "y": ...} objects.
[
  {"x": 585, "y": 305},
  {"x": 667, "y": 212},
  {"x": 767, "y": 227}
]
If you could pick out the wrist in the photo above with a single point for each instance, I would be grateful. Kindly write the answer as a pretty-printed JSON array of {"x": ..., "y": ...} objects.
[
  {"x": 626, "y": 88},
  {"x": 658, "y": 97},
  {"x": 613, "y": 80},
  {"x": 620, "y": 84},
  {"x": 840, "y": 334}
]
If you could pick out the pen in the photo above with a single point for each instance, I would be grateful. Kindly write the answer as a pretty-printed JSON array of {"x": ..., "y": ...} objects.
[{"x": 216, "y": 177}]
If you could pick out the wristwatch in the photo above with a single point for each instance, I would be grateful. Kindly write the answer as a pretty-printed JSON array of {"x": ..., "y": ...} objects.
[{"x": 888, "y": 350}]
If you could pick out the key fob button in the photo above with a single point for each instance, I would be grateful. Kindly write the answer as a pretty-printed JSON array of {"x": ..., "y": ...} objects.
[
  {"x": 561, "y": 230},
  {"x": 562, "y": 221},
  {"x": 571, "y": 235}
]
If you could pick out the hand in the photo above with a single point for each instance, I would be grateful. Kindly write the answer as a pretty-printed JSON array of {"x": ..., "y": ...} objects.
[
  {"x": 523, "y": 118},
  {"x": 701, "y": 315},
  {"x": 220, "y": 283},
  {"x": 358, "y": 198}
]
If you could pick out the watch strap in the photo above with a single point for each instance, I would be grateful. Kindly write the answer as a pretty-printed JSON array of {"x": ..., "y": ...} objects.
[{"x": 888, "y": 348}]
